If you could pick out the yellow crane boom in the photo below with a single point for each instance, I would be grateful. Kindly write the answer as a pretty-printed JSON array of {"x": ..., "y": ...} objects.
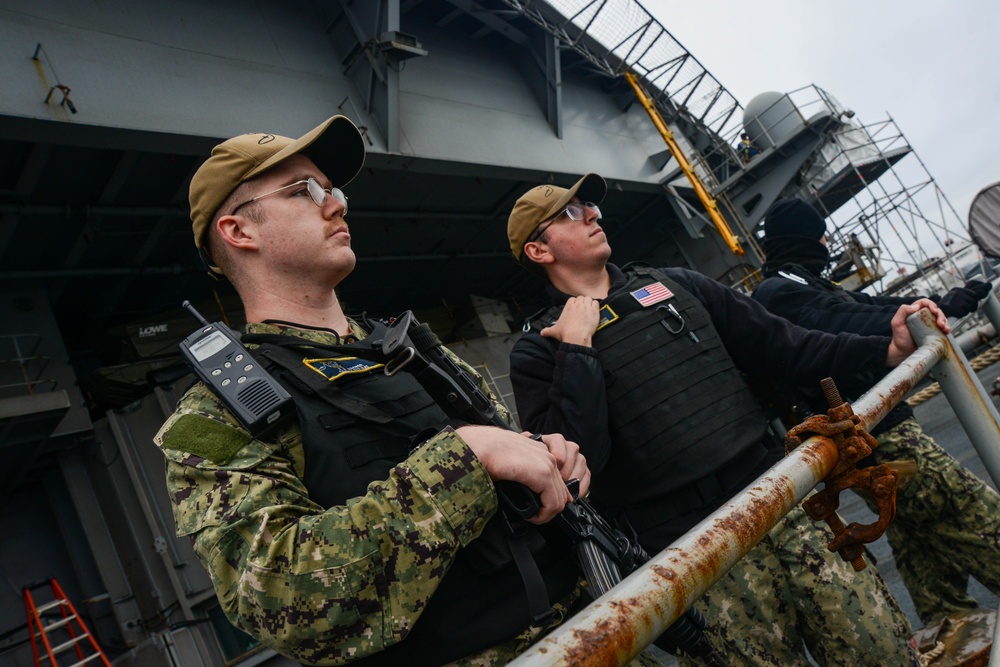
[{"x": 703, "y": 194}]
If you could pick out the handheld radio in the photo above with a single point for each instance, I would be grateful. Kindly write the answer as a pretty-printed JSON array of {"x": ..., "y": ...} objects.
[{"x": 219, "y": 360}]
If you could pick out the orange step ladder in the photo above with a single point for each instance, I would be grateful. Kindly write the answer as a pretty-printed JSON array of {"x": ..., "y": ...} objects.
[{"x": 71, "y": 632}]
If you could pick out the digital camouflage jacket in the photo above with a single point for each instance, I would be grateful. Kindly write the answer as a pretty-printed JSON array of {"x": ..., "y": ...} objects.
[{"x": 320, "y": 586}]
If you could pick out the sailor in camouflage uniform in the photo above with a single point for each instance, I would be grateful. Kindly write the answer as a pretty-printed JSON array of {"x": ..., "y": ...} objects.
[
  {"x": 947, "y": 523},
  {"x": 644, "y": 369},
  {"x": 378, "y": 553}
]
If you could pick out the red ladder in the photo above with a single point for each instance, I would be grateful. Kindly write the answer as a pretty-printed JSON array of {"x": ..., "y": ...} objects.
[{"x": 78, "y": 637}]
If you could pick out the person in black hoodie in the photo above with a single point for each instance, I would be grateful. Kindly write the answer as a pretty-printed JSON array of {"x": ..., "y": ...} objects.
[{"x": 947, "y": 523}]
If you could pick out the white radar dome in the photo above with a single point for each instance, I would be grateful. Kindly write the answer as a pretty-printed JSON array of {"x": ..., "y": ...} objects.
[{"x": 771, "y": 117}]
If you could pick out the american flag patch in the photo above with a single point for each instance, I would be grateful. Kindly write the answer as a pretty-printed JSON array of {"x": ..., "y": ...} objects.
[{"x": 651, "y": 294}]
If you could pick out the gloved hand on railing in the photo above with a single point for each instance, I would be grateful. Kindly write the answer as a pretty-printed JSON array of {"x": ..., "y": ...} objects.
[{"x": 960, "y": 301}]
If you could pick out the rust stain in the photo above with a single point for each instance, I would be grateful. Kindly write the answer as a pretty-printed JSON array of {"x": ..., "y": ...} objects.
[
  {"x": 613, "y": 637},
  {"x": 661, "y": 571},
  {"x": 964, "y": 639},
  {"x": 979, "y": 660},
  {"x": 896, "y": 393},
  {"x": 611, "y": 641}
]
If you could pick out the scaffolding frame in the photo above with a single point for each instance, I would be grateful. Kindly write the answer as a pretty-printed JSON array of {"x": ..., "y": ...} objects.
[
  {"x": 619, "y": 35},
  {"x": 901, "y": 212}
]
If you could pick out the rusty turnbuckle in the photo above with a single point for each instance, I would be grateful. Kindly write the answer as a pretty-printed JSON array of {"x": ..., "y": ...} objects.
[{"x": 841, "y": 425}]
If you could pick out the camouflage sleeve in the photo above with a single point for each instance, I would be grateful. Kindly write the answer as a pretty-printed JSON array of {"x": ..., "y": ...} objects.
[{"x": 320, "y": 586}]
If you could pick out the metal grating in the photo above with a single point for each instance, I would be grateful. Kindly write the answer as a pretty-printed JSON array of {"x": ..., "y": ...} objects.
[{"x": 615, "y": 35}]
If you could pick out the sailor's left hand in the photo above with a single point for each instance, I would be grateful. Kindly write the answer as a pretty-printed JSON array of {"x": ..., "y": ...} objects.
[
  {"x": 902, "y": 344},
  {"x": 571, "y": 462}
]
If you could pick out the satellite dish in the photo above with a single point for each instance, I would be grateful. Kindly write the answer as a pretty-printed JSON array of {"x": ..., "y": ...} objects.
[{"x": 984, "y": 220}]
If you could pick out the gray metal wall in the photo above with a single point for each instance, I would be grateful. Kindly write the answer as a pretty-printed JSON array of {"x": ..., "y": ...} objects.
[
  {"x": 213, "y": 69},
  {"x": 184, "y": 74}
]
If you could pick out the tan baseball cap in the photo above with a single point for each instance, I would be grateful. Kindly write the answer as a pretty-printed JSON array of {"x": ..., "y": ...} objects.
[
  {"x": 544, "y": 201},
  {"x": 335, "y": 146}
]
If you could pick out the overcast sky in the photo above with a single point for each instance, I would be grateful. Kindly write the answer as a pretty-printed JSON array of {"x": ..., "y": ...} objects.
[{"x": 930, "y": 65}]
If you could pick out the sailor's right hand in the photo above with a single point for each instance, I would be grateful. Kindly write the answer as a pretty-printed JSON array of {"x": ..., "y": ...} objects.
[
  {"x": 507, "y": 455},
  {"x": 571, "y": 461},
  {"x": 577, "y": 323}
]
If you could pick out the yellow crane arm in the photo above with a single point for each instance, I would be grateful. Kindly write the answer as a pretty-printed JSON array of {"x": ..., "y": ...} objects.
[{"x": 706, "y": 198}]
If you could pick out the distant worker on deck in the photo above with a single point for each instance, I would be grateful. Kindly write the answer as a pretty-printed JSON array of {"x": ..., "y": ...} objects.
[
  {"x": 947, "y": 523},
  {"x": 746, "y": 148},
  {"x": 644, "y": 367}
]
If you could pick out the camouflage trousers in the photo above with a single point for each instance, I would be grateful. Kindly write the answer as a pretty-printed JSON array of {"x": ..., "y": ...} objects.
[
  {"x": 789, "y": 592},
  {"x": 947, "y": 525}
]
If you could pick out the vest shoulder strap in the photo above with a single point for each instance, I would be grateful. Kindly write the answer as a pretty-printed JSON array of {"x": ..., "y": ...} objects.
[{"x": 545, "y": 317}]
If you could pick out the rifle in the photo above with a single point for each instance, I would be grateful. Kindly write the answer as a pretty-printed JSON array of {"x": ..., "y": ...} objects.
[{"x": 605, "y": 553}]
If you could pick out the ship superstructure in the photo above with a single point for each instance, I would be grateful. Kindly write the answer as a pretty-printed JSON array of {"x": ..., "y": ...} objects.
[{"x": 107, "y": 109}]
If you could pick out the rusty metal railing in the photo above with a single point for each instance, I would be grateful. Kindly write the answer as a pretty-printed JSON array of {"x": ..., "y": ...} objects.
[{"x": 619, "y": 625}]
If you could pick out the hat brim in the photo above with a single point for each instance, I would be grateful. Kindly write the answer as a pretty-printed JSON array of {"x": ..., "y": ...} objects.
[
  {"x": 592, "y": 188},
  {"x": 335, "y": 146}
]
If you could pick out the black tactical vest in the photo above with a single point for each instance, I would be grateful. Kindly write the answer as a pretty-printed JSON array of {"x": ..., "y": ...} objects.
[
  {"x": 684, "y": 425},
  {"x": 357, "y": 424}
]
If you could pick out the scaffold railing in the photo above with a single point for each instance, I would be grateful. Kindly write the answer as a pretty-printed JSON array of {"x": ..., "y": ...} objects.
[
  {"x": 890, "y": 222},
  {"x": 899, "y": 213}
]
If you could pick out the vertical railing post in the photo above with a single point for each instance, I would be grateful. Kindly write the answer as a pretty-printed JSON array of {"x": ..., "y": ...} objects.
[
  {"x": 972, "y": 405},
  {"x": 995, "y": 655},
  {"x": 991, "y": 308},
  {"x": 968, "y": 399}
]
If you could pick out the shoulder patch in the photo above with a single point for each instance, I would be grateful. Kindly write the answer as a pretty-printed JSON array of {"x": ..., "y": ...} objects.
[
  {"x": 337, "y": 367},
  {"x": 607, "y": 316},
  {"x": 206, "y": 438}
]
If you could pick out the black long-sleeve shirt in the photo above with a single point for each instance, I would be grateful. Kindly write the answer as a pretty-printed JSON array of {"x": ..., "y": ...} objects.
[
  {"x": 559, "y": 387},
  {"x": 790, "y": 294},
  {"x": 813, "y": 307}
]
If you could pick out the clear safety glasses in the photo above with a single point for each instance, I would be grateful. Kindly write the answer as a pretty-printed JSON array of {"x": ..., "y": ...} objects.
[
  {"x": 575, "y": 211},
  {"x": 316, "y": 192}
]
